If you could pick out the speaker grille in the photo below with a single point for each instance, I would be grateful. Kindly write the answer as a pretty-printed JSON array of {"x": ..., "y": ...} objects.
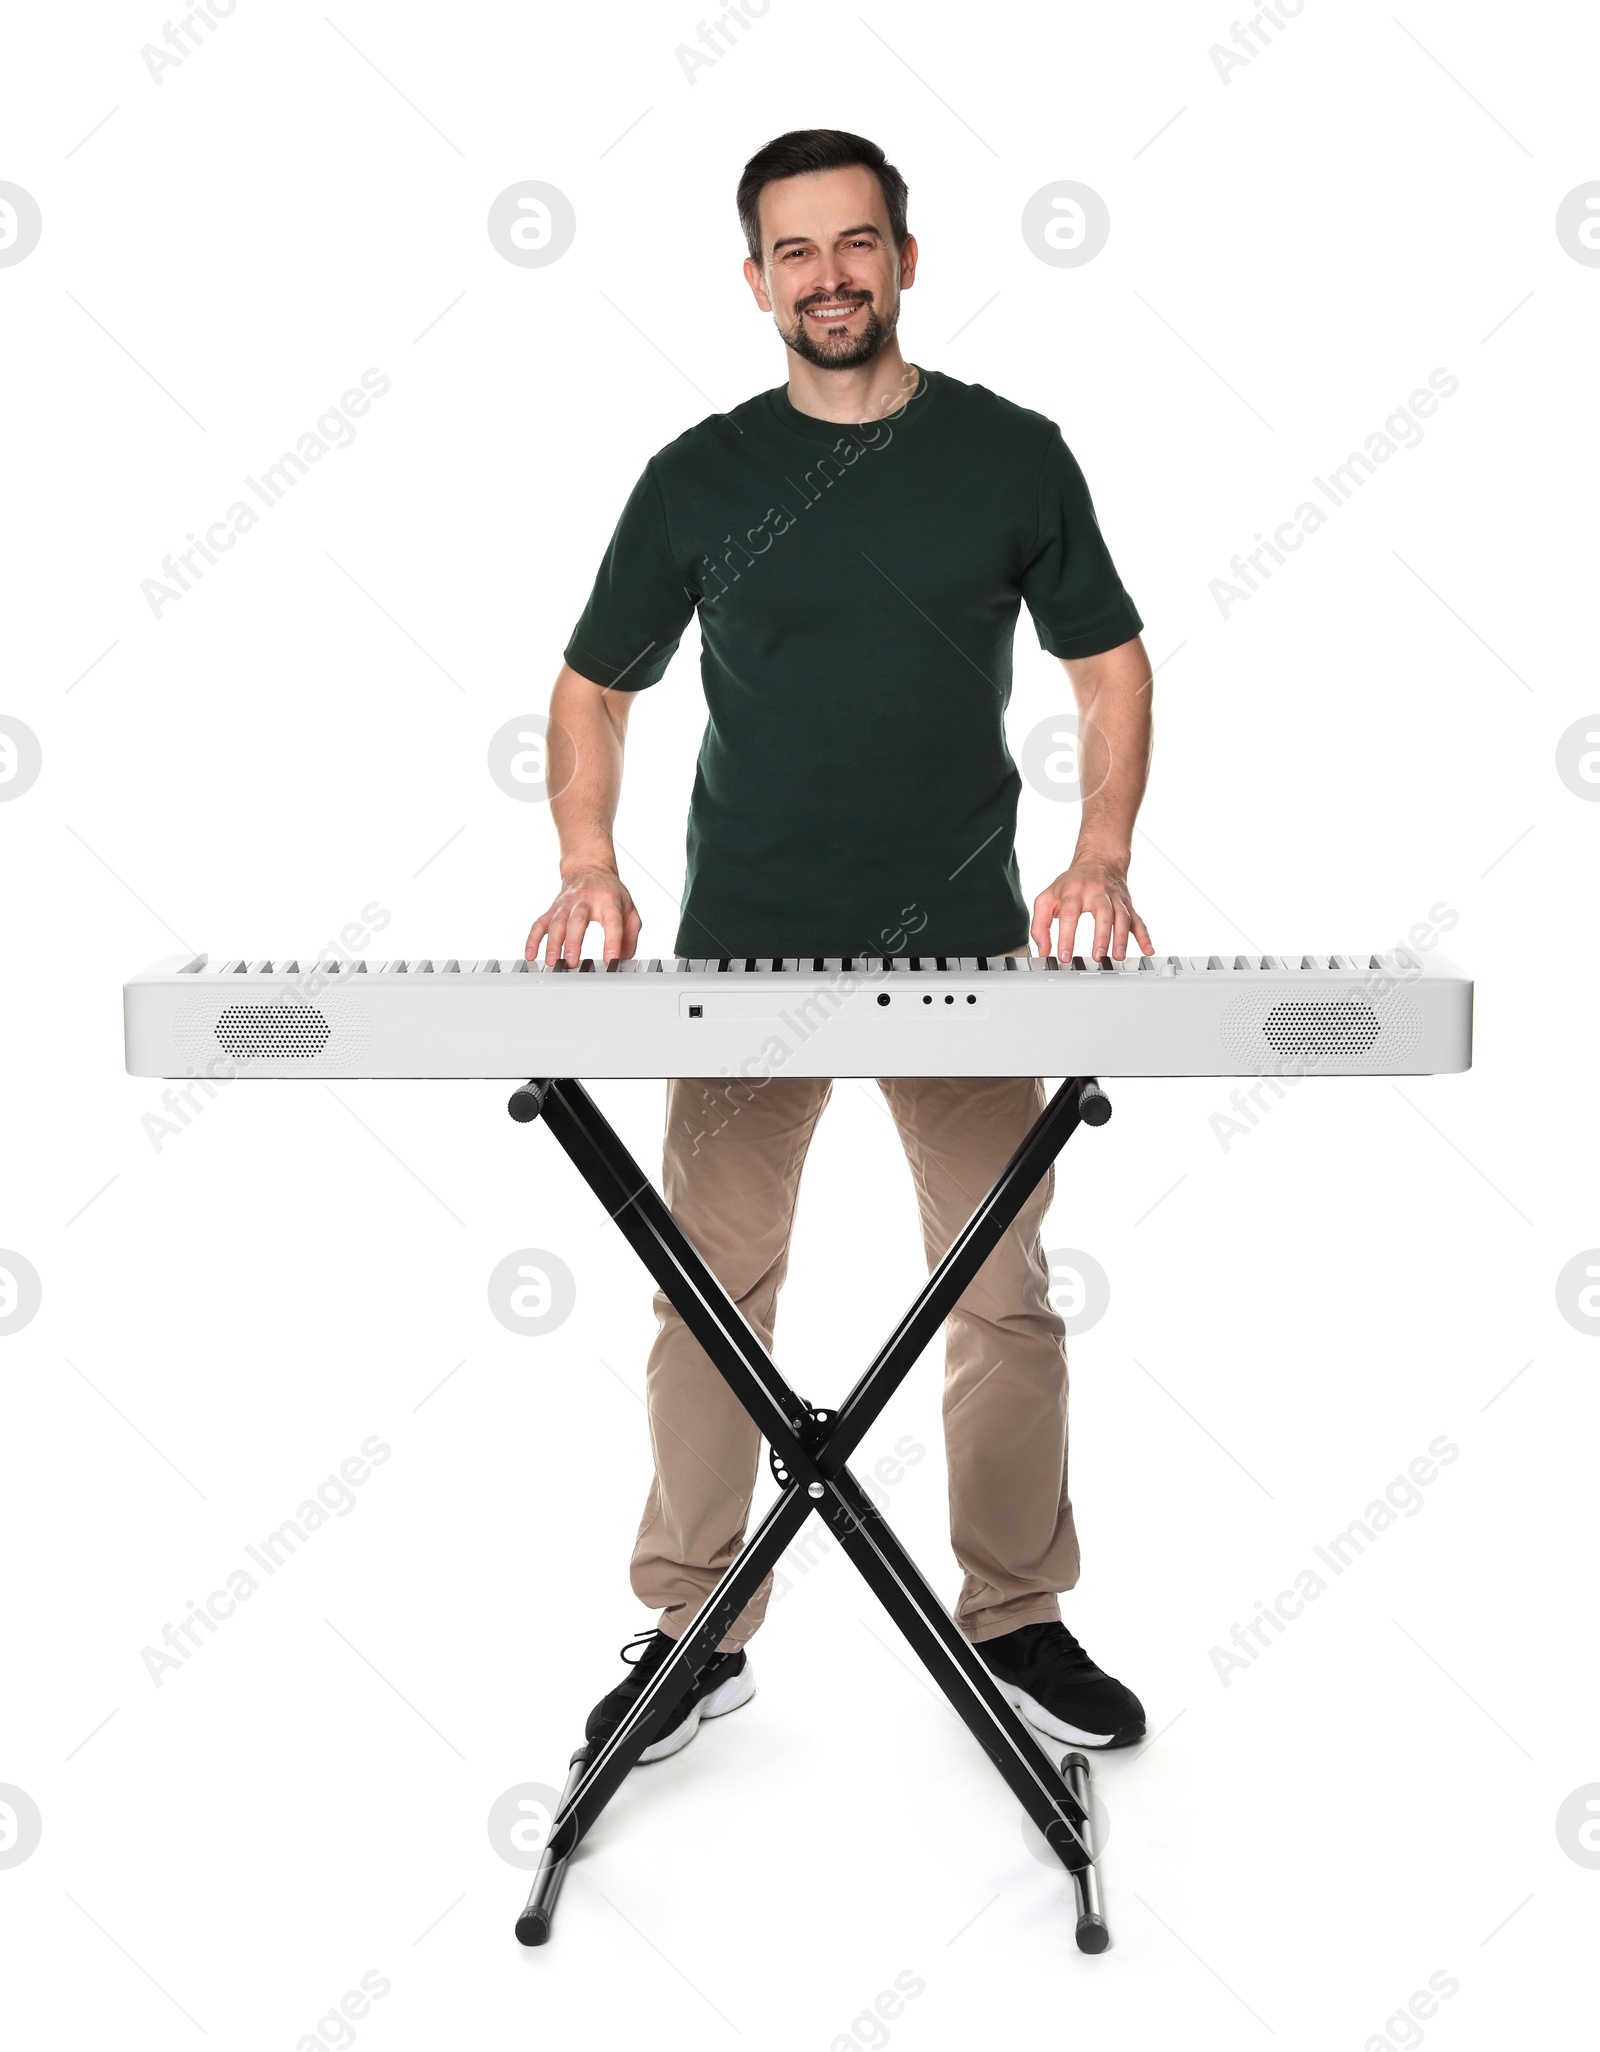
[
  {"x": 282, "y": 1033},
  {"x": 273, "y": 1032},
  {"x": 1346, "y": 1029},
  {"x": 1318, "y": 1027}
]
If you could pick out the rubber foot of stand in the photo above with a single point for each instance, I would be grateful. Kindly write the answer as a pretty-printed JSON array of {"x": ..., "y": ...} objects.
[
  {"x": 1092, "y": 1934},
  {"x": 534, "y": 1929}
]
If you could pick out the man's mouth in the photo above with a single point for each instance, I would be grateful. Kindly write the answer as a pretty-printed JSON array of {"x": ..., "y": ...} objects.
[{"x": 834, "y": 311}]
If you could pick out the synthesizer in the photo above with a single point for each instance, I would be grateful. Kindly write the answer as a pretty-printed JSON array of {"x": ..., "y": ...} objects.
[{"x": 1395, "y": 1014}]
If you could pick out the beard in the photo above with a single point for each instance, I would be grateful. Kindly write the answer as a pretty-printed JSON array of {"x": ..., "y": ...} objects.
[{"x": 861, "y": 347}]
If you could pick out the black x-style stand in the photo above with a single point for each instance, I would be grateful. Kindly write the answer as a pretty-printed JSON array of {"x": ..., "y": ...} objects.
[{"x": 808, "y": 1449}]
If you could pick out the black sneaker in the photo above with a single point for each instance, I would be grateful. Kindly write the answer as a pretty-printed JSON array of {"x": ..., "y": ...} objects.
[
  {"x": 1045, "y": 1674},
  {"x": 722, "y": 1684}
]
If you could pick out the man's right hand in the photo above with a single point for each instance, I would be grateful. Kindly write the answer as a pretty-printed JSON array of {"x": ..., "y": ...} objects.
[{"x": 596, "y": 895}]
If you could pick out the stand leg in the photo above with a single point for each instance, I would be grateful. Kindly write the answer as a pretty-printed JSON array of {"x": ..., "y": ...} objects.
[
  {"x": 589, "y": 1790},
  {"x": 533, "y": 1926},
  {"x": 1092, "y": 1933},
  {"x": 947, "y": 1653}
]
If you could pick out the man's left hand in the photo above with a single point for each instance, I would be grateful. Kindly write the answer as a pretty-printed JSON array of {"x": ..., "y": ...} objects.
[{"x": 1096, "y": 889}]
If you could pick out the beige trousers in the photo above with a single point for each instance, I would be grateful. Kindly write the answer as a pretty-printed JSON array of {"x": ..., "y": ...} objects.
[{"x": 731, "y": 1175}]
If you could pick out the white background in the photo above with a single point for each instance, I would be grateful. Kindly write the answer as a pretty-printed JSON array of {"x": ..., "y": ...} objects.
[{"x": 226, "y": 1317}]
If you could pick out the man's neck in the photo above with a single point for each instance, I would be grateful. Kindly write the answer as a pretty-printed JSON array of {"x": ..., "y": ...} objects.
[{"x": 867, "y": 391}]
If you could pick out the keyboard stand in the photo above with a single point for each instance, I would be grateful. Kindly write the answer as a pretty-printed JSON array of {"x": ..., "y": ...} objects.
[{"x": 808, "y": 1449}]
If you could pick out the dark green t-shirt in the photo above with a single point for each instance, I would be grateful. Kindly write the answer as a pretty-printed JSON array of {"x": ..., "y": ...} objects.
[{"x": 858, "y": 590}]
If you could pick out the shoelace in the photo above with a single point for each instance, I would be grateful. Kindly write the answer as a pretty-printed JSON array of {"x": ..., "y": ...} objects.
[
  {"x": 640, "y": 1641},
  {"x": 1061, "y": 1651}
]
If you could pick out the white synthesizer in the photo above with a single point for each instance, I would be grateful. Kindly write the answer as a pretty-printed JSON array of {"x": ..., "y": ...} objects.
[{"x": 1395, "y": 1014}]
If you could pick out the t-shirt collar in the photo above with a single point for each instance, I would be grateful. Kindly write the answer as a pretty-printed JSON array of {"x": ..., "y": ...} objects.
[{"x": 814, "y": 429}]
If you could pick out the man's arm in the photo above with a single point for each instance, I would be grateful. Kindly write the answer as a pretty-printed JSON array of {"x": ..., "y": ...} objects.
[
  {"x": 1113, "y": 692},
  {"x": 588, "y": 724}
]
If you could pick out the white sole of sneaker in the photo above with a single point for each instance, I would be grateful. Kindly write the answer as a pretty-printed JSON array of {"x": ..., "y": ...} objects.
[
  {"x": 736, "y": 1690},
  {"x": 1040, "y": 1718}
]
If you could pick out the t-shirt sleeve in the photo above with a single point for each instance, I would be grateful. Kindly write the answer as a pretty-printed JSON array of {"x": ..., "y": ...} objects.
[
  {"x": 1070, "y": 584},
  {"x": 630, "y": 629}
]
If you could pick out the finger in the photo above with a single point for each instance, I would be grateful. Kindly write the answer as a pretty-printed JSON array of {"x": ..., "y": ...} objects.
[
  {"x": 1141, "y": 932},
  {"x": 557, "y": 918},
  {"x": 1067, "y": 933},
  {"x": 536, "y": 933},
  {"x": 609, "y": 915},
  {"x": 1043, "y": 912},
  {"x": 1119, "y": 929},
  {"x": 1102, "y": 926},
  {"x": 630, "y": 932},
  {"x": 577, "y": 932}
]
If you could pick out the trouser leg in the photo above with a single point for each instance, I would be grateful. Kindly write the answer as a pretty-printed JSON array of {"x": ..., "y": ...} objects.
[
  {"x": 1005, "y": 1387},
  {"x": 731, "y": 1164}
]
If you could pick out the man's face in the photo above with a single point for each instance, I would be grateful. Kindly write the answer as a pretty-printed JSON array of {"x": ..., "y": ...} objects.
[{"x": 830, "y": 275}]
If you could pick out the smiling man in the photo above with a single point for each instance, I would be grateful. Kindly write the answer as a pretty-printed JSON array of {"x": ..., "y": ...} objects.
[{"x": 857, "y": 543}]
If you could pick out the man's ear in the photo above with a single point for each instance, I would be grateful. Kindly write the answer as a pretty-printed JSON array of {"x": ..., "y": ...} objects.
[{"x": 755, "y": 278}]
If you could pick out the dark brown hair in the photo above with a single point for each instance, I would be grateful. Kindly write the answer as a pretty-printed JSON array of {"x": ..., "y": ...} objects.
[{"x": 817, "y": 149}]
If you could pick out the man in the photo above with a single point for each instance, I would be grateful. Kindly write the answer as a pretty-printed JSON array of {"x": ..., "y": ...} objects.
[{"x": 856, "y": 544}]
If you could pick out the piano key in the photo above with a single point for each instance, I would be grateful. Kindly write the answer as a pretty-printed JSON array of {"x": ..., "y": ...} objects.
[
  {"x": 967, "y": 962},
  {"x": 902, "y": 962}
]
